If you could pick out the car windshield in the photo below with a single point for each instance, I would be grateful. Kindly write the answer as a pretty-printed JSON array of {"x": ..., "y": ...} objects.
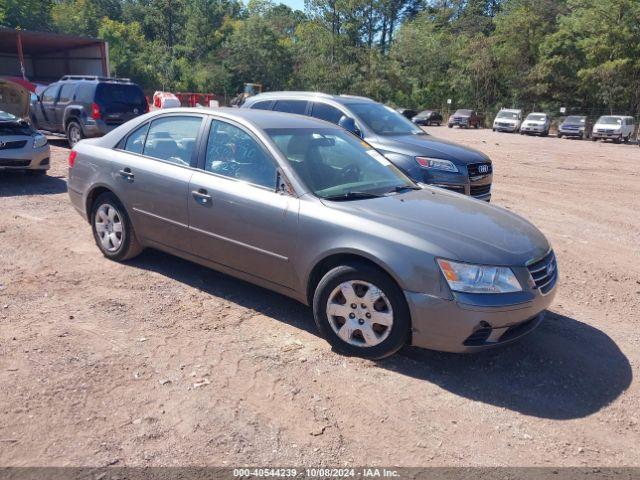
[
  {"x": 425, "y": 113},
  {"x": 575, "y": 119},
  {"x": 537, "y": 117},
  {"x": 384, "y": 120},
  {"x": 511, "y": 115},
  {"x": 610, "y": 120},
  {"x": 464, "y": 113},
  {"x": 336, "y": 165}
]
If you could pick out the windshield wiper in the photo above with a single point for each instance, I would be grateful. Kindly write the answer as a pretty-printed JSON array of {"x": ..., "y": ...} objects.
[
  {"x": 352, "y": 196},
  {"x": 400, "y": 188}
]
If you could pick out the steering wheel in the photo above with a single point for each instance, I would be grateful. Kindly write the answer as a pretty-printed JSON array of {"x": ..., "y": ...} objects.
[{"x": 351, "y": 172}]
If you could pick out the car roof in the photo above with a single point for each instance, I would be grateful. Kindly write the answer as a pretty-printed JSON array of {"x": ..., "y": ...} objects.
[
  {"x": 343, "y": 99},
  {"x": 263, "y": 119}
]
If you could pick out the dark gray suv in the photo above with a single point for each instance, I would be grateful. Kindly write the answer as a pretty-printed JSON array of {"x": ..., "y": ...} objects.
[
  {"x": 87, "y": 106},
  {"x": 424, "y": 158}
]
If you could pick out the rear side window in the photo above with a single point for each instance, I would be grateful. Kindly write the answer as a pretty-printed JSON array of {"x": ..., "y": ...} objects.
[
  {"x": 50, "y": 94},
  {"x": 172, "y": 139},
  {"x": 265, "y": 105},
  {"x": 120, "y": 94},
  {"x": 291, "y": 106},
  {"x": 135, "y": 141},
  {"x": 326, "y": 112},
  {"x": 66, "y": 93}
]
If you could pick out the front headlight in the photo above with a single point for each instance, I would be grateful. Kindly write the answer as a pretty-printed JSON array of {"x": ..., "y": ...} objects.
[
  {"x": 467, "y": 278},
  {"x": 39, "y": 140},
  {"x": 436, "y": 164}
]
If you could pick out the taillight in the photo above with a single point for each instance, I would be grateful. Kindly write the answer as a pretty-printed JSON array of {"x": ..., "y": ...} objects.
[
  {"x": 147, "y": 109},
  {"x": 72, "y": 158},
  {"x": 95, "y": 111}
]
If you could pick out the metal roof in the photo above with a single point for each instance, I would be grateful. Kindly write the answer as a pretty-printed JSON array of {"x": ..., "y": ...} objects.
[{"x": 38, "y": 43}]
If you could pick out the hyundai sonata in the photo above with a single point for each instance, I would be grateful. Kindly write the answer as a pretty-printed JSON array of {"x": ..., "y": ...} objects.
[{"x": 307, "y": 209}]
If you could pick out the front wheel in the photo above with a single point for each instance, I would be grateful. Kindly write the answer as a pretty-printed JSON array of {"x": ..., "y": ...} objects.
[
  {"x": 450, "y": 126},
  {"x": 361, "y": 311},
  {"x": 112, "y": 229}
]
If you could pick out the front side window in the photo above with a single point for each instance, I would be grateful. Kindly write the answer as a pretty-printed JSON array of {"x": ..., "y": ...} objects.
[
  {"x": 172, "y": 139},
  {"x": 50, "y": 94},
  {"x": 326, "y": 112},
  {"x": 233, "y": 153},
  {"x": 337, "y": 165},
  {"x": 384, "y": 120},
  {"x": 291, "y": 106},
  {"x": 135, "y": 141}
]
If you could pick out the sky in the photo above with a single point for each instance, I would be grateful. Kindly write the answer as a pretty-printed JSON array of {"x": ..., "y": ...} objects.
[{"x": 295, "y": 4}]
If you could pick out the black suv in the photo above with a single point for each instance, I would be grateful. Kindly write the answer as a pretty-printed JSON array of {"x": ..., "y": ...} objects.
[
  {"x": 86, "y": 106},
  {"x": 421, "y": 156}
]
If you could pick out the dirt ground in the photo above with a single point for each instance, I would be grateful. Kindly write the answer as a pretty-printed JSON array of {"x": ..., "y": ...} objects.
[{"x": 163, "y": 362}]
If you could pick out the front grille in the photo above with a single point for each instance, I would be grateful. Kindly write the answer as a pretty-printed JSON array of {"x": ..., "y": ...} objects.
[
  {"x": 460, "y": 119},
  {"x": 478, "y": 190},
  {"x": 474, "y": 169},
  {"x": 502, "y": 124},
  {"x": 14, "y": 163},
  {"x": 544, "y": 273},
  {"x": 12, "y": 145},
  {"x": 570, "y": 127},
  {"x": 605, "y": 130}
]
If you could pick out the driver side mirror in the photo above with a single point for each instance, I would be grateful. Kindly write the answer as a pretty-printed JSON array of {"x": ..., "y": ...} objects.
[
  {"x": 282, "y": 186},
  {"x": 349, "y": 124}
]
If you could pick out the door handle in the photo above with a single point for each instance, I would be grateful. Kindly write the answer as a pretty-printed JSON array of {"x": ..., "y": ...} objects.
[
  {"x": 201, "y": 196},
  {"x": 127, "y": 174}
]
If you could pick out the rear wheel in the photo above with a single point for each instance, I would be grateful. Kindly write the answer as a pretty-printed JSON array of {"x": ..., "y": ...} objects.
[
  {"x": 450, "y": 126},
  {"x": 361, "y": 311},
  {"x": 112, "y": 229},
  {"x": 74, "y": 133}
]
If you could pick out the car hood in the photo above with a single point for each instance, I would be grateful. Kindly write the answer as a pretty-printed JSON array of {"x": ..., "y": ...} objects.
[
  {"x": 535, "y": 122},
  {"x": 607, "y": 125},
  {"x": 425, "y": 145},
  {"x": 14, "y": 98},
  {"x": 506, "y": 120},
  {"x": 453, "y": 226}
]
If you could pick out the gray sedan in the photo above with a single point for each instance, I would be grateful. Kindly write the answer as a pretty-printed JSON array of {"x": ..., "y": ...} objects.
[{"x": 302, "y": 207}]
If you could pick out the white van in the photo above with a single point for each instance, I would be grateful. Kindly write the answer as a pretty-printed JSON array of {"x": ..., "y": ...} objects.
[
  {"x": 508, "y": 120},
  {"x": 614, "y": 127}
]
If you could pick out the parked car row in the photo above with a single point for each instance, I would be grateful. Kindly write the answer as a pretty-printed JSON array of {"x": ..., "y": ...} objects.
[{"x": 613, "y": 127}]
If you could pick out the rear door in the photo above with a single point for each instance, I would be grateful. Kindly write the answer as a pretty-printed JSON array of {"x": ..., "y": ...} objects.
[
  {"x": 236, "y": 217},
  {"x": 120, "y": 102},
  {"x": 152, "y": 167},
  {"x": 64, "y": 99}
]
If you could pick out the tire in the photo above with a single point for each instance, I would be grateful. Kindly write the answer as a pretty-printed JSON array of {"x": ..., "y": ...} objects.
[
  {"x": 384, "y": 340},
  {"x": 594, "y": 139},
  {"x": 115, "y": 248},
  {"x": 559, "y": 135},
  {"x": 438, "y": 124},
  {"x": 450, "y": 126},
  {"x": 626, "y": 140},
  {"x": 74, "y": 133},
  {"x": 617, "y": 140}
]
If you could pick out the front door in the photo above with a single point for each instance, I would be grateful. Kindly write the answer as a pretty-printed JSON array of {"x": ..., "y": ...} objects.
[
  {"x": 236, "y": 217},
  {"x": 45, "y": 111}
]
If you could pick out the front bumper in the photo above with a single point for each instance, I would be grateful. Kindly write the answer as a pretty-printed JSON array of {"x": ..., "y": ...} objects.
[
  {"x": 459, "y": 123},
  {"x": 454, "y": 326},
  {"x": 505, "y": 128},
  {"x": 27, "y": 158},
  {"x": 530, "y": 129},
  {"x": 612, "y": 136},
  {"x": 571, "y": 133}
]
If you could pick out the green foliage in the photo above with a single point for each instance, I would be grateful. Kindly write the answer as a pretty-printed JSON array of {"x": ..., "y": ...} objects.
[{"x": 483, "y": 54}]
